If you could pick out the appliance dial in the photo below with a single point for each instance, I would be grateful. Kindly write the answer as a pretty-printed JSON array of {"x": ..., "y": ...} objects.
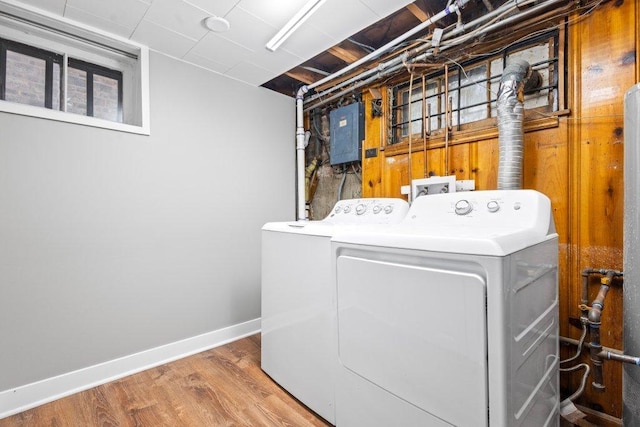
[
  {"x": 493, "y": 206},
  {"x": 388, "y": 209},
  {"x": 361, "y": 208},
  {"x": 377, "y": 209},
  {"x": 463, "y": 207},
  {"x": 347, "y": 209}
]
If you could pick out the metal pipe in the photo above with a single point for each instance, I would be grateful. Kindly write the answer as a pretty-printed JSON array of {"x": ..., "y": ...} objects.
[
  {"x": 411, "y": 195},
  {"x": 583, "y": 382},
  {"x": 380, "y": 69},
  {"x": 607, "y": 353},
  {"x": 393, "y": 43},
  {"x": 447, "y": 119},
  {"x": 510, "y": 104},
  {"x": 385, "y": 69},
  {"x": 422, "y": 53},
  {"x": 426, "y": 125},
  {"x": 572, "y": 341},
  {"x": 594, "y": 316}
]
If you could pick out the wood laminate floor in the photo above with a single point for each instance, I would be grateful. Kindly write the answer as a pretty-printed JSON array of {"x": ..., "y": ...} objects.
[{"x": 223, "y": 386}]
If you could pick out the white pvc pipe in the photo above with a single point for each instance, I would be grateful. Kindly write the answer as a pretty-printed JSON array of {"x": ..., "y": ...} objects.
[
  {"x": 300, "y": 146},
  {"x": 300, "y": 155},
  {"x": 393, "y": 64},
  {"x": 454, "y": 8}
]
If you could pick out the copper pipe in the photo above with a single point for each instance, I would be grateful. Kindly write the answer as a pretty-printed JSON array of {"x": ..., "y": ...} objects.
[
  {"x": 411, "y": 195},
  {"x": 447, "y": 124},
  {"x": 426, "y": 130}
]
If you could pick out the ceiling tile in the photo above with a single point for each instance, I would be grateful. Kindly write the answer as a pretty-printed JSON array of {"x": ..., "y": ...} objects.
[
  {"x": 178, "y": 16},
  {"x": 341, "y": 18},
  {"x": 274, "y": 12},
  {"x": 205, "y": 62},
  {"x": 97, "y": 22},
  {"x": 176, "y": 27},
  {"x": 221, "y": 50},
  {"x": 214, "y": 7},
  {"x": 279, "y": 61},
  {"x": 385, "y": 8},
  {"x": 55, "y": 6},
  {"x": 125, "y": 13},
  {"x": 247, "y": 30},
  {"x": 307, "y": 41},
  {"x": 250, "y": 73},
  {"x": 162, "y": 39}
]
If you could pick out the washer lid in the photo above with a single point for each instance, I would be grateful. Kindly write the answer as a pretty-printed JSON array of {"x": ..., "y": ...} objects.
[{"x": 481, "y": 223}]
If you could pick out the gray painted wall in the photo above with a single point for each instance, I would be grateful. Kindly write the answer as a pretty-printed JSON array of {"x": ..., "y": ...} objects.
[{"x": 113, "y": 243}]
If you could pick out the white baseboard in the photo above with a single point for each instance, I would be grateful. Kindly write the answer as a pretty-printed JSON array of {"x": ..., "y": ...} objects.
[{"x": 14, "y": 401}]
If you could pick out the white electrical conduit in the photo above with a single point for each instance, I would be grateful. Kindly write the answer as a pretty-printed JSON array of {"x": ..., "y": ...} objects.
[
  {"x": 384, "y": 69},
  {"x": 387, "y": 68},
  {"x": 393, "y": 43},
  {"x": 304, "y": 89},
  {"x": 410, "y": 130},
  {"x": 391, "y": 67}
]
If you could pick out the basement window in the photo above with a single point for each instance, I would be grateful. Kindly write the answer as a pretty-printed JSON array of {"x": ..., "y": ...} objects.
[
  {"x": 466, "y": 93},
  {"x": 33, "y": 76},
  {"x": 52, "y": 69}
]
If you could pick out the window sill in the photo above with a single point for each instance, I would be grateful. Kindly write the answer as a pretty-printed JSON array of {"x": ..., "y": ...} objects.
[
  {"x": 473, "y": 134},
  {"x": 60, "y": 116}
]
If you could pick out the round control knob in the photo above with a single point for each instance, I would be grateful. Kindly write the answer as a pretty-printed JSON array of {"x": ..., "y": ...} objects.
[
  {"x": 493, "y": 206},
  {"x": 463, "y": 207},
  {"x": 377, "y": 209},
  {"x": 338, "y": 209},
  {"x": 361, "y": 208},
  {"x": 388, "y": 209},
  {"x": 347, "y": 209}
]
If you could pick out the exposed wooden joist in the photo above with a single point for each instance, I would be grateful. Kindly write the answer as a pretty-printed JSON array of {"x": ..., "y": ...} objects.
[
  {"x": 417, "y": 12},
  {"x": 347, "y": 51},
  {"x": 303, "y": 75}
]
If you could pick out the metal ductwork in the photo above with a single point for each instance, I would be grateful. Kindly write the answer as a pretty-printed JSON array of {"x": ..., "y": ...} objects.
[
  {"x": 631, "y": 287},
  {"x": 510, "y": 105}
]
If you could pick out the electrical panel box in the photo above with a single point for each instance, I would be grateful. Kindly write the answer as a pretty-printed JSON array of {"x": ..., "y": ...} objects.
[{"x": 346, "y": 125}]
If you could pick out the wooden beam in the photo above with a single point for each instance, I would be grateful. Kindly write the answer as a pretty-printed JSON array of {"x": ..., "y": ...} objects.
[
  {"x": 347, "y": 51},
  {"x": 417, "y": 12},
  {"x": 303, "y": 75}
]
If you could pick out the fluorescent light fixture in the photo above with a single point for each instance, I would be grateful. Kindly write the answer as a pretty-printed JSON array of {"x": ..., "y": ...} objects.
[{"x": 295, "y": 22}]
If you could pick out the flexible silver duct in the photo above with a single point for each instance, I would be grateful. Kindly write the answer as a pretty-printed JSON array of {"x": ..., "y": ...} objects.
[
  {"x": 631, "y": 287},
  {"x": 510, "y": 105}
]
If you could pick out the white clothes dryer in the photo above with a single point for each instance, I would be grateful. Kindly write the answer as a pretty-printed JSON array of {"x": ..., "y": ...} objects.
[
  {"x": 450, "y": 318},
  {"x": 299, "y": 343}
]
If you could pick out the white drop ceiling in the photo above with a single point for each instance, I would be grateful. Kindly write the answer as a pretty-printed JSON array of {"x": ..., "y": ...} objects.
[{"x": 176, "y": 28}]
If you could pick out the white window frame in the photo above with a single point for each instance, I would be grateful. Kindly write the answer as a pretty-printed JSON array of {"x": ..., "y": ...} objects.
[{"x": 44, "y": 30}]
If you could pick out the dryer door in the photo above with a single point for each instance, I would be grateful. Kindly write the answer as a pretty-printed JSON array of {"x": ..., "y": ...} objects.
[{"x": 417, "y": 333}]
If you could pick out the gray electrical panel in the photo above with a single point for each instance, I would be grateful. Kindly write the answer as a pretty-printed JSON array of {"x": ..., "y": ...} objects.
[{"x": 347, "y": 132}]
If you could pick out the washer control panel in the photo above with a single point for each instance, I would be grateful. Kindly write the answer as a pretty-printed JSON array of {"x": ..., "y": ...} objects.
[{"x": 368, "y": 211}]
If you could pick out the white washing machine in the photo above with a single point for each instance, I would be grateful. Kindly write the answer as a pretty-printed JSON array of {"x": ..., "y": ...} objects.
[
  {"x": 451, "y": 317},
  {"x": 299, "y": 342}
]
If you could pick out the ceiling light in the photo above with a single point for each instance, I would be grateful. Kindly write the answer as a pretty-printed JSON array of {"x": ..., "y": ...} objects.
[
  {"x": 217, "y": 24},
  {"x": 293, "y": 24}
]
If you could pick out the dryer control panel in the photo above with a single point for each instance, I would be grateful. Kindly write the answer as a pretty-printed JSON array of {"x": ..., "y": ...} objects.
[
  {"x": 368, "y": 211},
  {"x": 499, "y": 209}
]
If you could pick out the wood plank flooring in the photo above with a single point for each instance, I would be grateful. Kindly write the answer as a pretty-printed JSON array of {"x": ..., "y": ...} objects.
[{"x": 223, "y": 386}]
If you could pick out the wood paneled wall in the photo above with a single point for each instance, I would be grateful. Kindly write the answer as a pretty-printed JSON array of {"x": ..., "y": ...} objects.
[{"x": 575, "y": 158}]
